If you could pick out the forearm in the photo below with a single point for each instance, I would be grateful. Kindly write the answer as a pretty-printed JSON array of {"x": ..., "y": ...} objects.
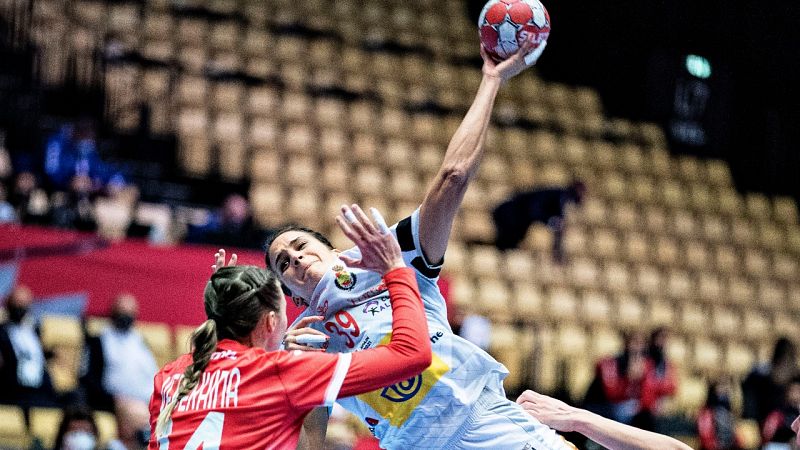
[
  {"x": 459, "y": 165},
  {"x": 409, "y": 350},
  {"x": 618, "y": 436}
]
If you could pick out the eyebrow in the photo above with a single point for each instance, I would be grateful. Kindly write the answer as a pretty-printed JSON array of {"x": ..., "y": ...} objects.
[{"x": 281, "y": 253}]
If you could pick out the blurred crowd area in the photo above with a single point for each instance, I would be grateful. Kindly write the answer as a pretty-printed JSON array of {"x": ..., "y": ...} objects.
[{"x": 641, "y": 285}]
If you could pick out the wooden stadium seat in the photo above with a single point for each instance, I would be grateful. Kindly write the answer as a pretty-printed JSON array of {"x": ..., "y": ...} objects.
[
  {"x": 694, "y": 318},
  {"x": 629, "y": 311},
  {"x": 785, "y": 210},
  {"x": 604, "y": 243},
  {"x": 748, "y": 433},
  {"x": 264, "y": 133},
  {"x": 701, "y": 197},
  {"x": 266, "y": 165},
  {"x": 507, "y": 346},
  {"x": 494, "y": 298},
  {"x": 661, "y": 312},
  {"x": 562, "y": 304},
  {"x": 690, "y": 168},
  {"x": 729, "y": 202},
  {"x": 758, "y": 206},
  {"x": 685, "y": 224},
  {"x": 666, "y": 251},
  {"x": 739, "y": 359},
  {"x": 709, "y": 287},
  {"x": 462, "y": 291},
  {"x": 672, "y": 194},
  {"x": 518, "y": 265},
  {"x": 476, "y": 226},
  {"x": 696, "y": 254},
  {"x": 528, "y": 300},
  {"x": 726, "y": 321},
  {"x": 300, "y": 169},
  {"x": 106, "y": 426},
  {"x": 771, "y": 236},
  {"x": 756, "y": 264},
  {"x": 584, "y": 272},
  {"x": 743, "y": 231},
  {"x": 299, "y": 138},
  {"x": 648, "y": 280},
  {"x": 576, "y": 241},
  {"x": 404, "y": 185},
  {"x": 595, "y": 308},
  {"x": 369, "y": 179},
  {"x": 637, "y": 247},
  {"x": 232, "y": 159},
  {"x": 267, "y": 200},
  {"x": 44, "y": 423},
  {"x": 677, "y": 348},
  {"x": 227, "y": 96},
  {"x": 727, "y": 259},
  {"x": 605, "y": 341},
  {"x": 655, "y": 220},
  {"x": 64, "y": 336},
  {"x": 538, "y": 239},
  {"x": 13, "y": 433},
  {"x": 304, "y": 206},
  {"x": 756, "y": 326},
  {"x": 741, "y": 290},
  {"x": 714, "y": 228},
  {"x": 718, "y": 173},
  {"x": 158, "y": 338},
  {"x": 692, "y": 392},
  {"x": 707, "y": 356},
  {"x": 183, "y": 335},
  {"x": 786, "y": 267}
]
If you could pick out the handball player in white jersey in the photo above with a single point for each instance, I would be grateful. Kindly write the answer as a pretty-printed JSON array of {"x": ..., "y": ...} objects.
[{"x": 459, "y": 401}]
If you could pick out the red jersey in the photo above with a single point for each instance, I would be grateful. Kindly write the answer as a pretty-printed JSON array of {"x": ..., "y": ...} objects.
[{"x": 252, "y": 398}]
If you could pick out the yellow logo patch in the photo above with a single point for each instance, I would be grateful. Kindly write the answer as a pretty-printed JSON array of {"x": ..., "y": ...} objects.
[{"x": 396, "y": 403}]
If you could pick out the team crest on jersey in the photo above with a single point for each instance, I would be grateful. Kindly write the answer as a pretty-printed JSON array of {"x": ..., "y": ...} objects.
[
  {"x": 397, "y": 402},
  {"x": 343, "y": 279}
]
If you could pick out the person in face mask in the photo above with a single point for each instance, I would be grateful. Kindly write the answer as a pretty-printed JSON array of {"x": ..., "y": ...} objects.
[
  {"x": 23, "y": 372},
  {"x": 128, "y": 370},
  {"x": 77, "y": 431}
]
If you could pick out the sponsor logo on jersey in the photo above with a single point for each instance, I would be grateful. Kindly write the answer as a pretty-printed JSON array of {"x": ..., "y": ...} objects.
[
  {"x": 375, "y": 306},
  {"x": 344, "y": 280},
  {"x": 322, "y": 310},
  {"x": 372, "y": 292},
  {"x": 396, "y": 403}
]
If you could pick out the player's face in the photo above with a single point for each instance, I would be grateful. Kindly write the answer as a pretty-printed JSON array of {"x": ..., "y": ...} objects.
[{"x": 300, "y": 261}]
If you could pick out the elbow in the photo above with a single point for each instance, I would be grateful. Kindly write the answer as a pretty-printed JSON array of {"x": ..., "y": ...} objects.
[
  {"x": 422, "y": 360},
  {"x": 454, "y": 177}
]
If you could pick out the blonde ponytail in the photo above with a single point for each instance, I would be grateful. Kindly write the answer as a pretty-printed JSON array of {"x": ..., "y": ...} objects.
[{"x": 204, "y": 342}]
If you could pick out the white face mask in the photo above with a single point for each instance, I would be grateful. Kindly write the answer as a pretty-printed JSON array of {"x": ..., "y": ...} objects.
[{"x": 79, "y": 440}]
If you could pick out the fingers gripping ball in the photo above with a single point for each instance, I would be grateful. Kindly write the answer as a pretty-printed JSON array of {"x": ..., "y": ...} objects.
[{"x": 505, "y": 24}]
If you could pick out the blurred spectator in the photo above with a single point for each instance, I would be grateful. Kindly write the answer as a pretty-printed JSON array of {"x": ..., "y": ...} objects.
[
  {"x": 77, "y": 431},
  {"x": 29, "y": 201},
  {"x": 119, "y": 372},
  {"x": 513, "y": 217},
  {"x": 716, "y": 421},
  {"x": 763, "y": 389},
  {"x": 664, "y": 373},
  {"x": 74, "y": 208},
  {"x": 231, "y": 226},
  {"x": 6, "y": 169},
  {"x": 627, "y": 387},
  {"x": 72, "y": 151},
  {"x": 23, "y": 370},
  {"x": 777, "y": 427},
  {"x": 7, "y": 212}
]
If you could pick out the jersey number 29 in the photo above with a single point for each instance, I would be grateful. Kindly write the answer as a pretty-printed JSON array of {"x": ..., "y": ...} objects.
[{"x": 208, "y": 434}]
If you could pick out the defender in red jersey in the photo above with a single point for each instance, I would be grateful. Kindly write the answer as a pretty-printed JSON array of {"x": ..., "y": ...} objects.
[{"x": 235, "y": 390}]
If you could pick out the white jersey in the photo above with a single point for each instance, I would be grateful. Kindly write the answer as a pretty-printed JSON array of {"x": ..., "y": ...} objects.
[{"x": 426, "y": 411}]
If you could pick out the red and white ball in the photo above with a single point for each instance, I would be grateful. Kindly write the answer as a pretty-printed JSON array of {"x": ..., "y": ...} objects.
[{"x": 505, "y": 24}]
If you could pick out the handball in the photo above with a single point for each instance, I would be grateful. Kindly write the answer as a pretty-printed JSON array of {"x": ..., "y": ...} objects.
[{"x": 505, "y": 24}]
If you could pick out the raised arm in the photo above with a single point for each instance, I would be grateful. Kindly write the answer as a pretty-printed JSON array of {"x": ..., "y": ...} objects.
[
  {"x": 409, "y": 350},
  {"x": 606, "y": 432},
  {"x": 464, "y": 153}
]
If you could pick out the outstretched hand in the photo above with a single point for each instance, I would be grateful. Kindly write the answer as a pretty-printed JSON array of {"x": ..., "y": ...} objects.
[
  {"x": 551, "y": 412},
  {"x": 380, "y": 251},
  {"x": 525, "y": 57},
  {"x": 219, "y": 260},
  {"x": 301, "y": 328}
]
